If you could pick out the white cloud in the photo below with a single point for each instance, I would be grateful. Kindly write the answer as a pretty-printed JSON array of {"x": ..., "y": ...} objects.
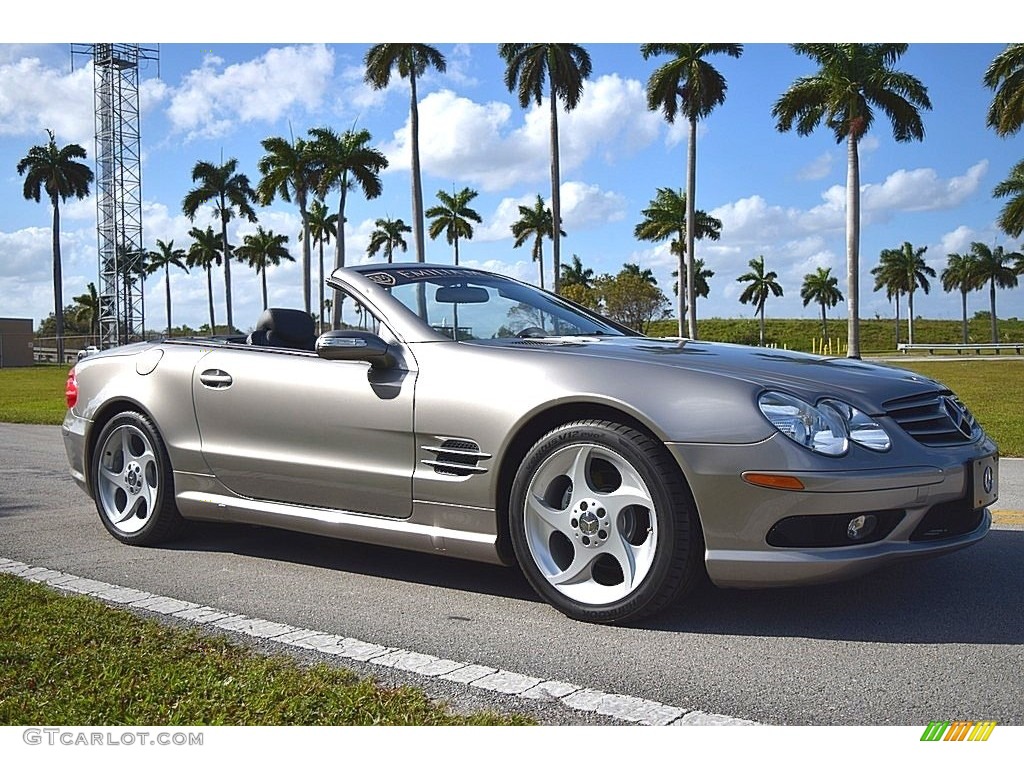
[
  {"x": 587, "y": 205},
  {"x": 213, "y": 98},
  {"x": 34, "y": 97},
  {"x": 818, "y": 168},
  {"x": 921, "y": 189}
]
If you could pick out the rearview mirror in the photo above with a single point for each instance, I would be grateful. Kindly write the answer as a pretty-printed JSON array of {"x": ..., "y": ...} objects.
[{"x": 461, "y": 294}]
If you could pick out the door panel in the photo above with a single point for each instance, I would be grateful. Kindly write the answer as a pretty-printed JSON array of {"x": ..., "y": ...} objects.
[{"x": 291, "y": 427}]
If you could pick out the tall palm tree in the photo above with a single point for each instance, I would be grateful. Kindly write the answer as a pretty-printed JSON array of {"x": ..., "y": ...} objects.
[
  {"x": 347, "y": 162},
  {"x": 164, "y": 257},
  {"x": 56, "y": 171},
  {"x": 665, "y": 219},
  {"x": 291, "y": 170},
  {"x": 762, "y": 285},
  {"x": 852, "y": 81},
  {"x": 821, "y": 287},
  {"x": 961, "y": 274},
  {"x": 701, "y": 287},
  {"x": 644, "y": 274},
  {"x": 690, "y": 86},
  {"x": 909, "y": 261},
  {"x": 206, "y": 252},
  {"x": 87, "y": 311},
  {"x": 230, "y": 192},
  {"x": 576, "y": 274},
  {"x": 1005, "y": 76},
  {"x": 891, "y": 276},
  {"x": 1011, "y": 218},
  {"x": 388, "y": 237},
  {"x": 411, "y": 60},
  {"x": 994, "y": 269},
  {"x": 453, "y": 217},
  {"x": 262, "y": 250},
  {"x": 536, "y": 222},
  {"x": 323, "y": 225},
  {"x": 561, "y": 68}
]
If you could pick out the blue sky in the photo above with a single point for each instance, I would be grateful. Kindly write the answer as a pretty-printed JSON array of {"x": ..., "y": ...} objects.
[{"x": 778, "y": 195}]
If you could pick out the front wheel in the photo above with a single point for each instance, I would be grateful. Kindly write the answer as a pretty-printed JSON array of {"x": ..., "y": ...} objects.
[
  {"x": 603, "y": 524},
  {"x": 131, "y": 480}
]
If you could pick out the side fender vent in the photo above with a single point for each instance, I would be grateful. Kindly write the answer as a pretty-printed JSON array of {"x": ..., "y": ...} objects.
[{"x": 456, "y": 456}]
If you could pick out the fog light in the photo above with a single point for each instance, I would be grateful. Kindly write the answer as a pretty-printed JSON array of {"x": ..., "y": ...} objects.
[{"x": 861, "y": 527}]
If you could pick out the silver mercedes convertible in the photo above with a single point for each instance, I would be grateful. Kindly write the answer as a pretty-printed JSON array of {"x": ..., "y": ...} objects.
[{"x": 467, "y": 414}]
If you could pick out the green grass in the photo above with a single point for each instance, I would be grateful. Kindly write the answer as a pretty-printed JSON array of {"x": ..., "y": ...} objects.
[
  {"x": 71, "y": 660},
  {"x": 33, "y": 395}
]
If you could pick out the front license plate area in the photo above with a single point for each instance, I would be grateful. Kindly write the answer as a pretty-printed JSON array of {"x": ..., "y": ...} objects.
[{"x": 985, "y": 481}]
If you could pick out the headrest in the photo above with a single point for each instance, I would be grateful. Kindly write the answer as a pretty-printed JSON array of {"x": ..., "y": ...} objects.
[{"x": 288, "y": 326}]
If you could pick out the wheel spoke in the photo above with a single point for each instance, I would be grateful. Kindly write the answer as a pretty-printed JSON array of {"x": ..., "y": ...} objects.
[
  {"x": 577, "y": 473},
  {"x": 553, "y": 518},
  {"x": 625, "y": 554},
  {"x": 578, "y": 572},
  {"x": 114, "y": 478},
  {"x": 623, "y": 497}
]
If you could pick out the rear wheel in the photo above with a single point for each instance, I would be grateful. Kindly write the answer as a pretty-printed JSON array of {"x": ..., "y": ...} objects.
[
  {"x": 131, "y": 480},
  {"x": 602, "y": 523}
]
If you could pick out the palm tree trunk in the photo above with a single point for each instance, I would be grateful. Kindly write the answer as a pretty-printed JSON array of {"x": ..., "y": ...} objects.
[
  {"x": 337, "y": 304},
  {"x": 691, "y": 186},
  {"x": 824, "y": 323},
  {"x": 992, "y": 310},
  {"x": 963, "y": 301},
  {"x": 852, "y": 248},
  {"x": 910, "y": 315},
  {"x": 263, "y": 280},
  {"x": 417, "y": 189},
  {"x": 320, "y": 312},
  {"x": 58, "y": 283},
  {"x": 556, "y": 196},
  {"x": 456, "y": 251},
  {"x": 307, "y": 257},
  {"x": 209, "y": 288},
  {"x": 227, "y": 266},
  {"x": 897, "y": 321},
  {"x": 760, "y": 315},
  {"x": 539, "y": 254},
  {"x": 167, "y": 287}
]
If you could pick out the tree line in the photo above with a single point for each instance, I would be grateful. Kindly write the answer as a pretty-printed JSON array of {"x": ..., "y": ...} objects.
[{"x": 850, "y": 85}]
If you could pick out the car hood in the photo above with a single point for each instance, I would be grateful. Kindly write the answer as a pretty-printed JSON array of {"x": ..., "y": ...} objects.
[{"x": 865, "y": 385}]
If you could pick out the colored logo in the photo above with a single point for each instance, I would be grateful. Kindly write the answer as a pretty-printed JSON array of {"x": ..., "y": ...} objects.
[{"x": 958, "y": 730}]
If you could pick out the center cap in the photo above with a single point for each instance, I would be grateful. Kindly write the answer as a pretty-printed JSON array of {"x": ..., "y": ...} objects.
[
  {"x": 589, "y": 523},
  {"x": 133, "y": 477}
]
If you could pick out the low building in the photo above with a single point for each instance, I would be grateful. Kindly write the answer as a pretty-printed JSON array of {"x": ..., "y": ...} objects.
[{"x": 16, "y": 346}]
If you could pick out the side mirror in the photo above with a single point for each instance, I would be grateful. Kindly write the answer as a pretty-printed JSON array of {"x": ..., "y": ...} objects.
[{"x": 359, "y": 346}]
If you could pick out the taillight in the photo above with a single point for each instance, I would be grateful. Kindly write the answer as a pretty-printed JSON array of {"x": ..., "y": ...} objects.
[{"x": 71, "y": 389}]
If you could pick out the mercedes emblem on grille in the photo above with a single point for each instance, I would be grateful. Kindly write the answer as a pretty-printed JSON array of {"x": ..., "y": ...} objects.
[{"x": 958, "y": 414}]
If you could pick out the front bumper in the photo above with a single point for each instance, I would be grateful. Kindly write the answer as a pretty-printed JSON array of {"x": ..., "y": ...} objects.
[{"x": 736, "y": 516}]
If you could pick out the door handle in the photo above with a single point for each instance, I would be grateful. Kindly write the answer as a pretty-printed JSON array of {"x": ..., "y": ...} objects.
[{"x": 214, "y": 378}]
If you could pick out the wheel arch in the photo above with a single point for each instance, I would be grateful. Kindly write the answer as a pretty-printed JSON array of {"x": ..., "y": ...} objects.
[{"x": 532, "y": 430}]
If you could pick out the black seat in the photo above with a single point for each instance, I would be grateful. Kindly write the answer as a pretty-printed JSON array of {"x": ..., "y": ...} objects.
[{"x": 287, "y": 328}]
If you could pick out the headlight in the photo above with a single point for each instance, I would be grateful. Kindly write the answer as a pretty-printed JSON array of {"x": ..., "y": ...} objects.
[{"x": 826, "y": 428}]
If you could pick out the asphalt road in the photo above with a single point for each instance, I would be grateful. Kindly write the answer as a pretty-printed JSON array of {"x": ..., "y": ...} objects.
[{"x": 938, "y": 639}]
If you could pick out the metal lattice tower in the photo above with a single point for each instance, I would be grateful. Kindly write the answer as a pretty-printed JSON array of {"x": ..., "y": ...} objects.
[{"x": 118, "y": 188}]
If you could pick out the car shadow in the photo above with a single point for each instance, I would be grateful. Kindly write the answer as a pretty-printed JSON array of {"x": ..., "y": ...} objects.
[{"x": 970, "y": 596}]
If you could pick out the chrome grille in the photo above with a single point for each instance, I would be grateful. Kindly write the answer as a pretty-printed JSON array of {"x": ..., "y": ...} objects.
[
  {"x": 934, "y": 418},
  {"x": 456, "y": 456}
]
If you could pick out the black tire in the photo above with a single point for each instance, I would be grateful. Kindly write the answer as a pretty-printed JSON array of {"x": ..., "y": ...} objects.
[
  {"x": 622, "y": 541},
  {"x": 132, "y": 482}
]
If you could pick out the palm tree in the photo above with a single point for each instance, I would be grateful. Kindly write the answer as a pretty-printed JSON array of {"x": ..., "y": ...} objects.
[
  {"x": 57, "y": 171},
  {"x": 891, "y": 276},
  {"x": 411, "y": 60},
  {"x": 688, "y": 85},
  {"x": 291, "y": 170},
  {"x": 821, "y": 287},
  {"x": 853, "y": 80},
  {"x": 206, "y": 252},
  {"x": 577, "y": 274},
  {"x": 164, "y": 257},
  {"x": 701, "y": 287},
  {"x": 762, "y": 285},
  {"x": 665, "y": 218},
  {"x": 87, "y": 311},
  {"x": 322, "y": 227},
  {"x": 562, "y": 68},
  {"x": 536, "y": 222},
  {"x": 261, "y": 250},
  {"x": 961, "y": 274},
  {"x": 644, "y": 274},
  {"x": 453, "y": 217},
  {"x": 909, "y": 262},
  {"x": 388, "y": 236},
  {"x": 230, "y": 192},
  {"x": 1005, "y": 76},
  {"x": 347, "y": 162},
  {"x": 1011, "y": 218},
  {"x": 994, "y": 270}
]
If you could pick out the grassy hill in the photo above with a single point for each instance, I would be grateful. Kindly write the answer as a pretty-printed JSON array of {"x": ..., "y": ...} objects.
[{"x": 876, "y": 336}]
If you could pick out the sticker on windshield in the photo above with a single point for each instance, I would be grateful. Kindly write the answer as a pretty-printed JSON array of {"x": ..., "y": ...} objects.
[{"x": 381, "y": 278}]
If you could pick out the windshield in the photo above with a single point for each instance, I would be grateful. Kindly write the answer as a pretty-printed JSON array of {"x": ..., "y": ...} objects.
[{"x": 469, "y": 305}]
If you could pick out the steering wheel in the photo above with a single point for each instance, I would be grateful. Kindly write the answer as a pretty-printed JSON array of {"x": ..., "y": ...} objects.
[{"x": 532, "y": 332}]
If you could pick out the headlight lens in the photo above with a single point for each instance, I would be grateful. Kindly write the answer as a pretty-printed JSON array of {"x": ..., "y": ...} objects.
[{"x": 826, "y": 428}]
